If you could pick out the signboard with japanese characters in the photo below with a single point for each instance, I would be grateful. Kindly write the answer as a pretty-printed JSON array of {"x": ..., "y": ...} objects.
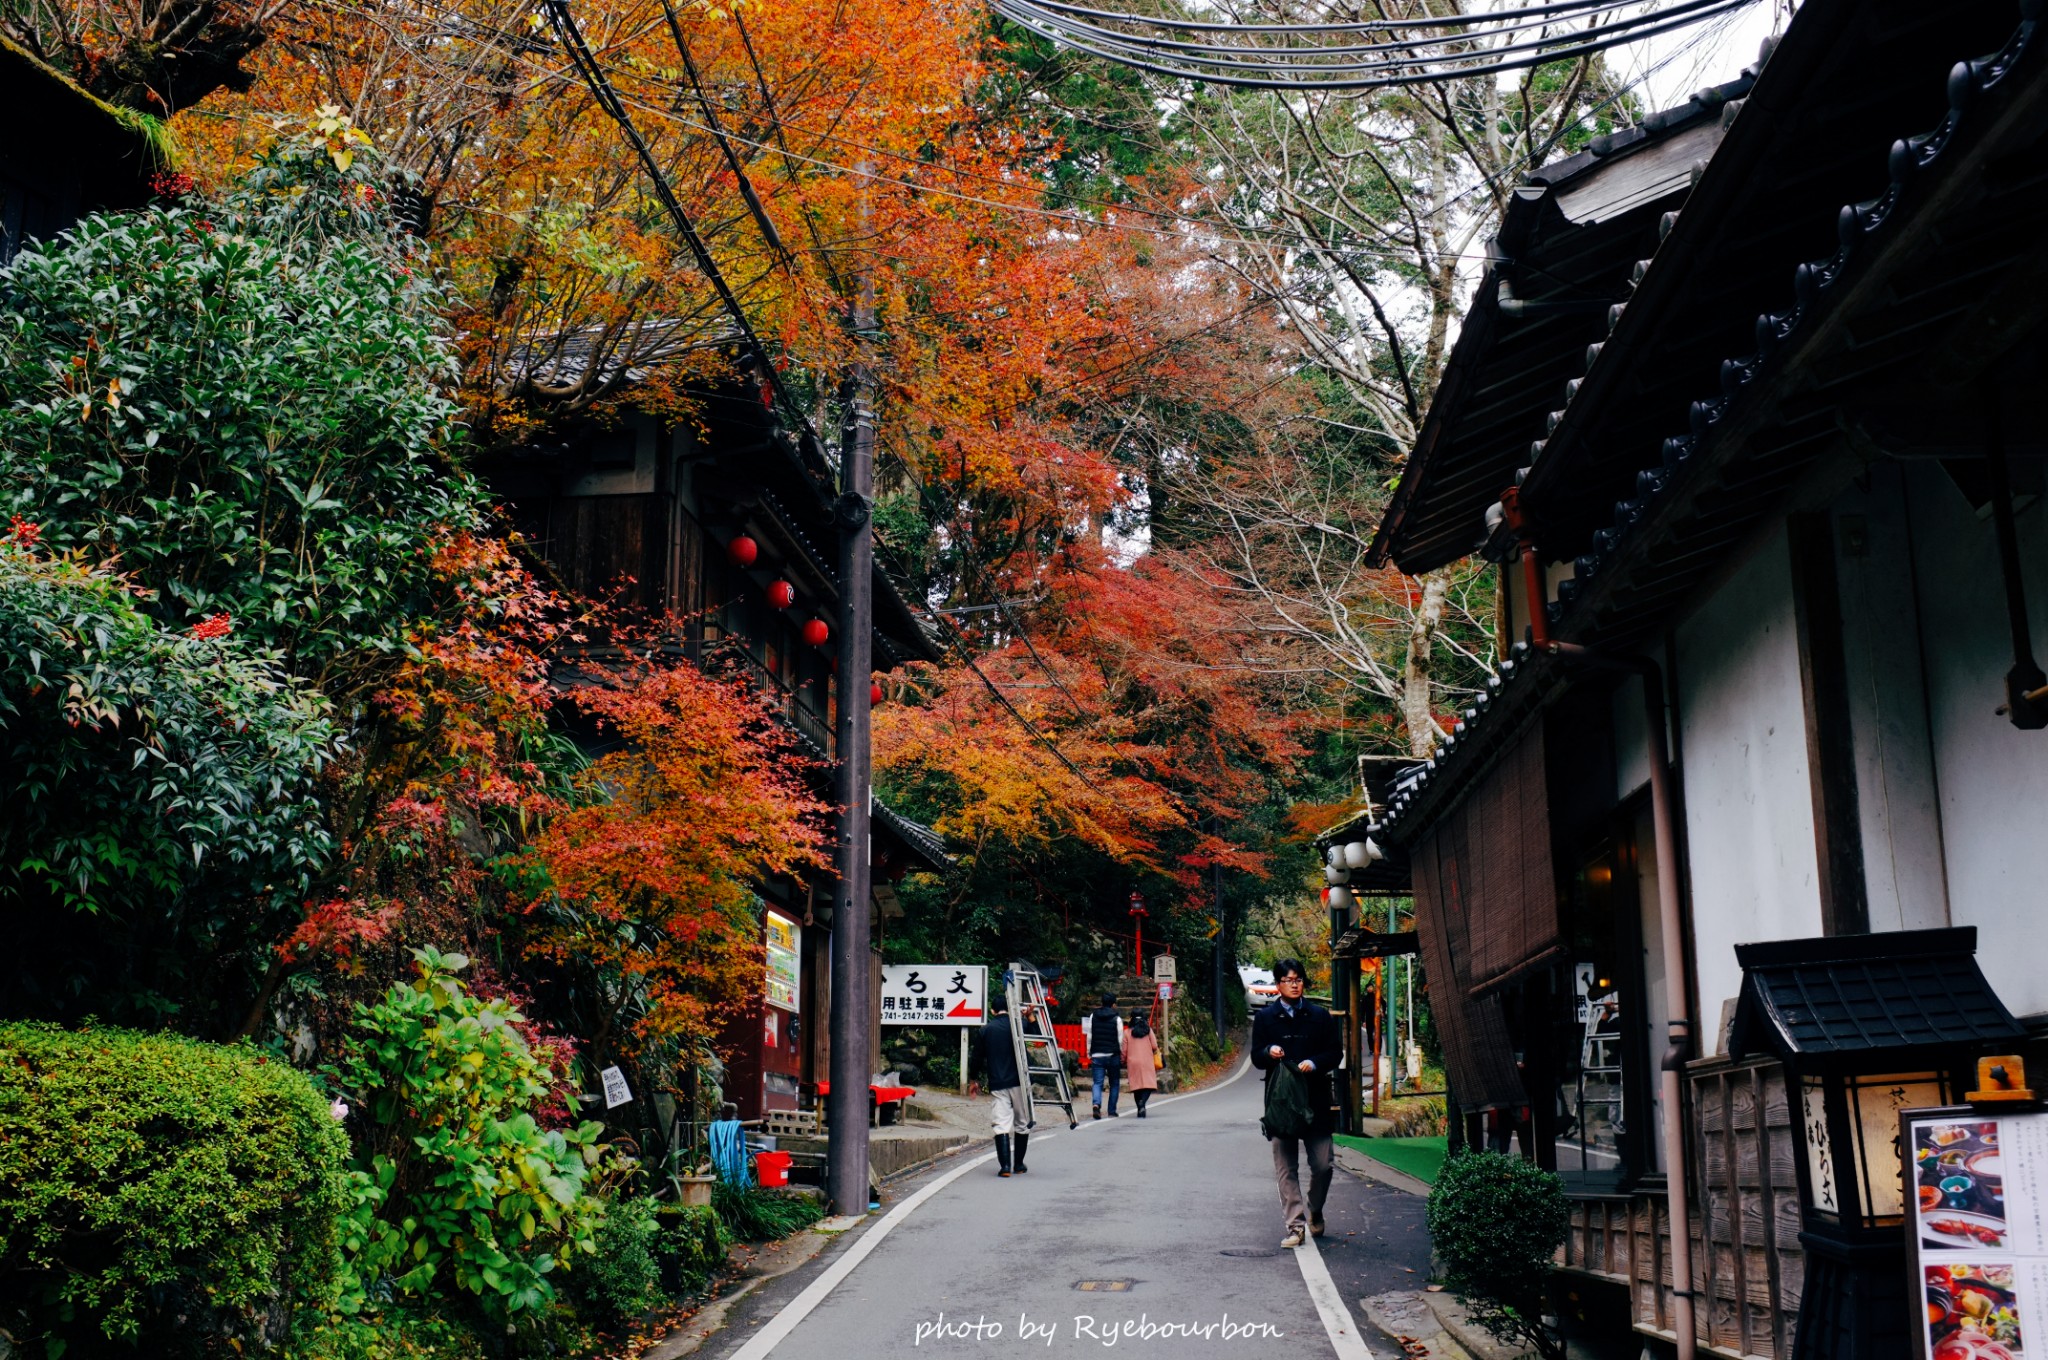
[
  {"x": 934, "y": 994},
  {"x": 616, "y": 1092},
  {"x": 784, "y": 979},
  {"x": 1977, "y": 1225}
]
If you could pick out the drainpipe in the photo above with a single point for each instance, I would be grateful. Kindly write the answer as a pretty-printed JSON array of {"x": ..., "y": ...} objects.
[{"x": 1680, "y": 1048}]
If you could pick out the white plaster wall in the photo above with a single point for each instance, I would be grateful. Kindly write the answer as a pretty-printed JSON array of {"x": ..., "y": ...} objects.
[
  {"x": 1748, "y": 801},
  {"x": 1992, "y": 777},
  {"x": 1631, "y": 749},
  {"x": 1903, "y": 876}
]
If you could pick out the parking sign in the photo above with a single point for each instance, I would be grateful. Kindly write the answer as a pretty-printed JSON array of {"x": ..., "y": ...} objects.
[{"x": 934, "y": 994}]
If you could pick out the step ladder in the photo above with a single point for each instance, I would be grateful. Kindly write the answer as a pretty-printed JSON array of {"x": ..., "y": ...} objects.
[
  {"x": 1600, "y": 1066},
  {"x": 1039, "y": 1064}
]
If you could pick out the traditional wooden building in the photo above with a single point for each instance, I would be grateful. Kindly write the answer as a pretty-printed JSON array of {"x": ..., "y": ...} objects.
[
  {"x": 723, "y": 523},
  {"x": 1735, "y": 854},
  {"x": 70, "y": 154}
]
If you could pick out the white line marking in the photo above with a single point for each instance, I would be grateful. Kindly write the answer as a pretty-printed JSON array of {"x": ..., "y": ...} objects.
[
  {"x": 797, "y": 1309},
  {"x": 1329, "y": 1301}
]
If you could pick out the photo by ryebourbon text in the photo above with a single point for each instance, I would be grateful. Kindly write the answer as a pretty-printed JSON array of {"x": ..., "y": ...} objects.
[{"x": 1088, "y": 1327}]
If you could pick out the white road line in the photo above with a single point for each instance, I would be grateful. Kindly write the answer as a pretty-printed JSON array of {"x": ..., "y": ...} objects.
[
  {"x": 764, "y": 1342},
  {"x": 1329, "y": 1300},
  {"x": 797, "y": 1309}
]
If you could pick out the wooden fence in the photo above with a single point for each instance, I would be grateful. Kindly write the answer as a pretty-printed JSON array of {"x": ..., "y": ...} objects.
[{"x": 1748, "y": 1268}]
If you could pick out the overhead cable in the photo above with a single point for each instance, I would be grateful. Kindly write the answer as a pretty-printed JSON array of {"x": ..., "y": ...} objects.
[{"x": 1293, "y": 66}]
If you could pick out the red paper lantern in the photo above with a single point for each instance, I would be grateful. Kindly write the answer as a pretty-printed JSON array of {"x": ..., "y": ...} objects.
[
  {"x": 743, "y": 551},
  {"x": 815, "y": 632},
  {"x": 875, "y": 693},
  {"x": 781, "y": 594},
  {"x": 1326, "y": 897}
]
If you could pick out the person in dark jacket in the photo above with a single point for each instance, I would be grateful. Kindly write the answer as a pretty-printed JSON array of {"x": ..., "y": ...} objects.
[
  {"x": 1301, "y": 1034},
  {"x": 1103, "y": 1032},
  {"x": 995, "y": 1054}
]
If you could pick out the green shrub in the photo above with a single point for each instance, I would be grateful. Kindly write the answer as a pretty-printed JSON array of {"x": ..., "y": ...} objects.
[
  {"x": 395, "y": 1334},
  {"x": 156, "y": 1188},
  {"x": 690, "y": 1245},
  {"x": 624, "y": 1279},
  {"x": 244, "y": 402},
  {"x": 453, "y": 1170},
  {"x": 1420, "y": 1117},
  {"x": 1497, "y": 1221},
  {"x": 757, "y": 1215}
]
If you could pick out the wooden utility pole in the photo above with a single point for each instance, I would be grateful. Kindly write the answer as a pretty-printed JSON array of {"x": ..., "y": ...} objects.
[
  {"x": 1220, "y": 967},
  {"x": 852, "y": 1059}
]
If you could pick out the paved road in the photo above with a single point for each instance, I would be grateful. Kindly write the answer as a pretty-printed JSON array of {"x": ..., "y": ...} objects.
[{"x": 1180, "y": 1207}]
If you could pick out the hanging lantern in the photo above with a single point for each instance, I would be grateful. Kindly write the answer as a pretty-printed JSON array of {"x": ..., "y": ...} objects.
[
  {"x": 1356, "y": 855},
  {"x": 1373, "y": 851},
  {"x": 1339, "y": 899},
  {"x": 875, "y": 692},
  {"x": 781, "y": 594},
  {"x": 1334, "y": 857},
  {"x": 1337, "y": 877},
  {"x": 815, "y": 632},
  {"x": 743, "y": 551},
  {"x": 1326, "y": 897}
]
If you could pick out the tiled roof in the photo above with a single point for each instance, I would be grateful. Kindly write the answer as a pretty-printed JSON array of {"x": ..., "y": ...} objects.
[
  {"x": 924, "y": 842},
  {"x": 1595, "y": 606},
  {"x": 1841, "y": 996},
  {"x": 1568, "y": 237}
]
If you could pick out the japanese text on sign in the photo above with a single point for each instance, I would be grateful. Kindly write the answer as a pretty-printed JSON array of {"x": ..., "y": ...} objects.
[
  {"x": 934, "y": 994},
  {"x": 616, "y": 1092}
]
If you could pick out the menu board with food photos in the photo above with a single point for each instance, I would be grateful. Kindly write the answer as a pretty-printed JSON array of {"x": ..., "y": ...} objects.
[{"x": 1977, "y": 1219}]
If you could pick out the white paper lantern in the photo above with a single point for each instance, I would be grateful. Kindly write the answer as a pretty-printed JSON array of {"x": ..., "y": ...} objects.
[
  {"x": 1373, "y": 851},
  {"x": 1335, "y": 857},
  {"x": 1355, "y": 855},
  {"x": 1337, "y": 877},
  {"x": 1340, "y": 899}
]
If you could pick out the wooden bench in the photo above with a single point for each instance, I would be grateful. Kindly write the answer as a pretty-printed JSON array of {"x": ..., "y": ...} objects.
[{"x": 885, "y": 1103}]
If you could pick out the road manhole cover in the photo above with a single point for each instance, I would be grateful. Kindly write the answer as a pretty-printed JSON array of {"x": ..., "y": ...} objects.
[
  {"x": 1249, "y": 1251},
  {"x": 1103, "y": 1286}
]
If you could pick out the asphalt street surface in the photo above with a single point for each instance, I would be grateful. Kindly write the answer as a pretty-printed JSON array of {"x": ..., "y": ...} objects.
[{"x": 1157, "y": 1236}]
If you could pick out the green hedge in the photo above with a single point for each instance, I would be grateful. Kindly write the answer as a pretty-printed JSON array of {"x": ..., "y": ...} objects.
[
  {"x": 163, "y": 1191},
  {"x": 1496, "y": 1221}
]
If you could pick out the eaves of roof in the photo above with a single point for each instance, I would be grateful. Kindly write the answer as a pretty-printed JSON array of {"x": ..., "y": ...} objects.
[
  {"x": 1952, "y": 231},
  {"x": 925, "y": 844},
  {"x": 1984, "y": 164},
  {"x": 1847, "y": 80},
  {"x": 1568, "y": 236}
]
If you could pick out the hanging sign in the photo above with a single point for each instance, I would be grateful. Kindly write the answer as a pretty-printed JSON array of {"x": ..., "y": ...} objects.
[
  {"x": 616, "y": 1092},
  {"x": 934, "y": 994},
  {"x": 1163, "y": 968},
  {"x": 1977, "y": 1229},
  {"x": 784, "y": 980}
]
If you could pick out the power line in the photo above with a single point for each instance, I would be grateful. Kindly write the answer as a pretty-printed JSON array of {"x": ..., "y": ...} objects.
[
  {"x": 1413, "y": 49},
  {"x": 1300, "y": 68},
  {"x": 1556, "y": 7},
  {"x": 607, "y": 98}
]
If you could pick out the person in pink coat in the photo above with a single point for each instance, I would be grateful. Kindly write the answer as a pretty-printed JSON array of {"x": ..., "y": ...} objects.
[{"x": 1141, "y": 1075}]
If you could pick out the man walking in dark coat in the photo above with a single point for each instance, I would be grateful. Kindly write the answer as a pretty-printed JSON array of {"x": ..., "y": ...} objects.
[
  {"x": 1103, "y": 1031},
  {"x": 995, "y": 1053},
  {"x": 1305, "y": 1037}
]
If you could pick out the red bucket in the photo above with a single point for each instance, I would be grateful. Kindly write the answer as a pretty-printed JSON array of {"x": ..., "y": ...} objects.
[{"x": 771, "y": 1169}]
